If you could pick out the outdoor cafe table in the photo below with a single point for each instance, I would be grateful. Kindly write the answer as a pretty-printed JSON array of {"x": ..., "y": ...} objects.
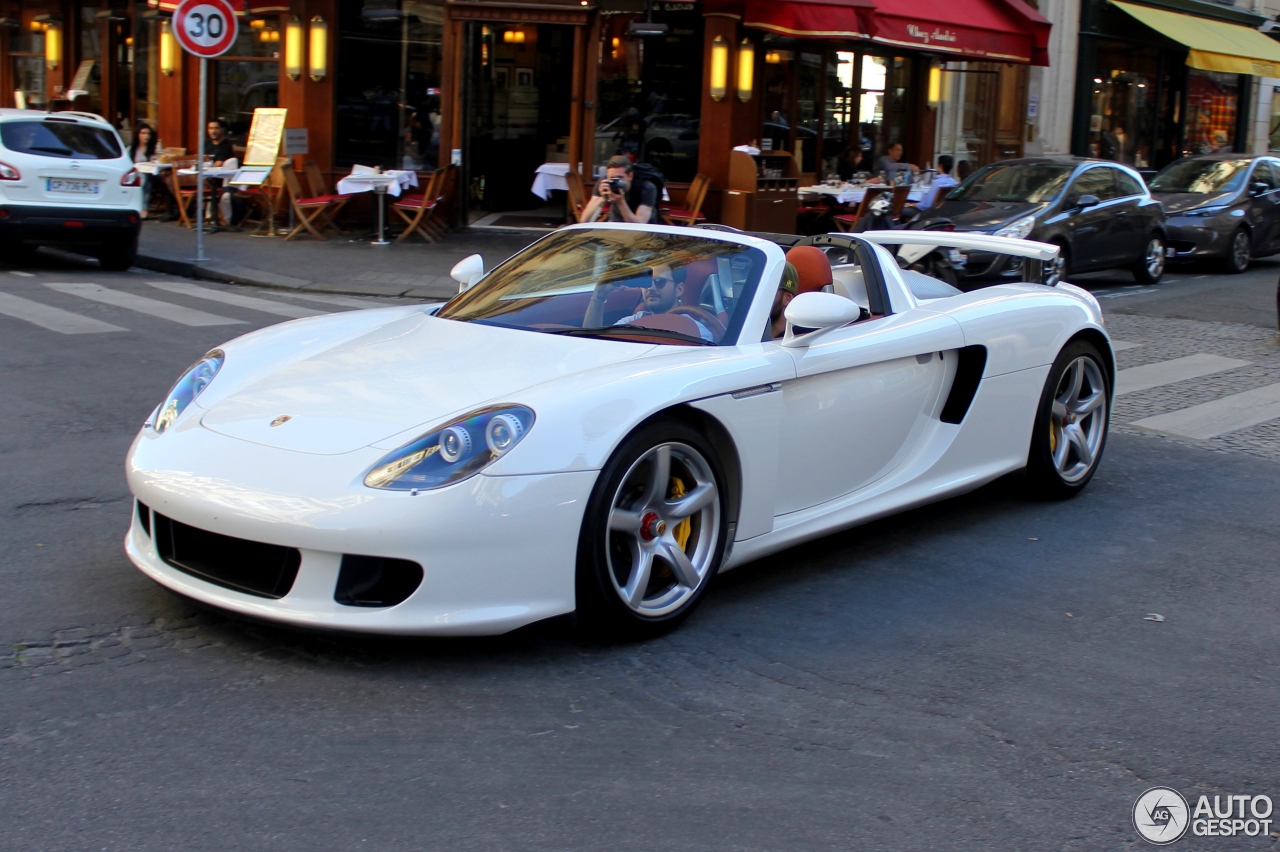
[
  {"x": 849, "y": 194},
  {"x": 210, "y": 173},
  {"x": 365, "y": 179},
  {"x": 550, "y": 176}
]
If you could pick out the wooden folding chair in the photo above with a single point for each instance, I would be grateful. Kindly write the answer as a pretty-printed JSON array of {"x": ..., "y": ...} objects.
[
  {"x": 691, "y": 213},
  {"x": 420, "y": 212},
  {"x": 320, "y": 189},
  {"x": 577, "y": 195},
  {"x": 307, "y": 210},
  {"x": 846, "y": 221},
  {"x": 183, "y": 188},
  {"x": 899, "y": 201}
]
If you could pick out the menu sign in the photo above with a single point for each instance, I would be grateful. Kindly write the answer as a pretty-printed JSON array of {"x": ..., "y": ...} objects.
[{"x": 265, "y": 135}]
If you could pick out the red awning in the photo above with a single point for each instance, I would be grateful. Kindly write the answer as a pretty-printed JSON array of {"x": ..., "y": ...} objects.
[
  {"x": 242, "y": 7},
  {"x": 801, "y": 18},
  {"x": 992, "y": 30}
]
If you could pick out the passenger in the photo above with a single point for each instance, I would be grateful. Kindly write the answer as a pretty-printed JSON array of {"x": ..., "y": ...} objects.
[
  {"x": 786, "y": 292},
  {"x": 663, "y": 293}
]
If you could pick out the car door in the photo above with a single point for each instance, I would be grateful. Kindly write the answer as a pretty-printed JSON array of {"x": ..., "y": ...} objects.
[
  {"x": 860, "y": 401},
  {"x": 1264, "y": 208},
  {"x": 1132, "y": 219},
  {"x": 1097, "y": 236}
]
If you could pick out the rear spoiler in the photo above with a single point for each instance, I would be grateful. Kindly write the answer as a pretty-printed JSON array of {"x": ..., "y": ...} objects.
[{"x": 1029, "y": 249}]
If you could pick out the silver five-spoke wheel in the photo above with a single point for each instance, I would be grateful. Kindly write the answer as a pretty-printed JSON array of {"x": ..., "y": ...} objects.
[
  {"x": 664, "y": 526},
  {"x": 1079, "y": 420}
]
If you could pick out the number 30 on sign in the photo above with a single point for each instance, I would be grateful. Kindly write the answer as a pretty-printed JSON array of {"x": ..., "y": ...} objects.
[{"x": 206, "y": 28}]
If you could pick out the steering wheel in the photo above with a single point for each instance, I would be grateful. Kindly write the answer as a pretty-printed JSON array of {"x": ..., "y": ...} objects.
[{"x": 710, "y": 320}]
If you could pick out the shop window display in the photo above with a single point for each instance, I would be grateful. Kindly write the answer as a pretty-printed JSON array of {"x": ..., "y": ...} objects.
[{"x": 1212, "y": 103}]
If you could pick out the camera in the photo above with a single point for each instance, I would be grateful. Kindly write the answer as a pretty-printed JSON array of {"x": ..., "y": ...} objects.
[{"x": 617, "y": 186}]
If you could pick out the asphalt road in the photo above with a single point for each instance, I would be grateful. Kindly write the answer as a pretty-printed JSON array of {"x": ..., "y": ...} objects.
[{"x": 977, "y": 674}]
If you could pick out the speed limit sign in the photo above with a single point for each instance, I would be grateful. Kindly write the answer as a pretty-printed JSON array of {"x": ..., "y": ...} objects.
[{"x": 206, "y": 28}]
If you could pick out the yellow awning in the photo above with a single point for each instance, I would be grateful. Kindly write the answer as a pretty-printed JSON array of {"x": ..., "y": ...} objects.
[{"x": 1215, "y": 45}]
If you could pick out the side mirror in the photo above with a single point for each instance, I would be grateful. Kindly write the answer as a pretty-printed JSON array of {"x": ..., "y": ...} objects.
[
  {"x": 1259, "y": 188},
  {"x": 821, "y": 312},
  {"x": 467, "y": 271},
  {"x": 1087, "y": 201}
]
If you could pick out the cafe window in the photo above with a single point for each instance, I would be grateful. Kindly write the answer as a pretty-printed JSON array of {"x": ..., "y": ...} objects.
[
  {"x": 144, "y": 58},
  {"x": 388, "y": 90},
  {"x": 247, "y": 76},
  {"x": 26, "y": 57},
  {"x": 1122, "y": 126},
  {"x": 1213, "y": 100},
  {"x": 649, "y": 106},
  {"x": 90, "y": 51}
]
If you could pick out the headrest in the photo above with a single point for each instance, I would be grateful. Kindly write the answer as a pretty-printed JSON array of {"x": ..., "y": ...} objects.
[{"x": 812, "y": 266}]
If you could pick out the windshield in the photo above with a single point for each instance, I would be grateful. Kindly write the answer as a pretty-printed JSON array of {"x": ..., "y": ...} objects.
[
  {"x": 1024, "y": 182},
  {"x": 1201, "y": 176},
  {"x": 55, "y": 138},
  {"x": 622, "y": 284}
]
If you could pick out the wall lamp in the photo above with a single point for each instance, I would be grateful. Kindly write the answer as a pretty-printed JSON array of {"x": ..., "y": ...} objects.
[
  {"x": 293, "y": 48},
  {"x": 319, "y": 52},
  {"x": 719, "y": 68},
  {"x": 52, "y": 44},
  {"x": 168, "y": 50},
  {"x": 935, "y": 85},
  {"x": 746, "y": 69}
]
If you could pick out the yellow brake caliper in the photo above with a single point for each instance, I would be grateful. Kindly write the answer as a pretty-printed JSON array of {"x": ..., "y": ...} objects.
[{"x": 685, "y": 527}]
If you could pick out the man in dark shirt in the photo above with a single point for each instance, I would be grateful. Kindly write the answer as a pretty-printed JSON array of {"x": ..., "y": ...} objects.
[
  {"x": 637, "y": 202},
  {"x": 218, "y": 145}
]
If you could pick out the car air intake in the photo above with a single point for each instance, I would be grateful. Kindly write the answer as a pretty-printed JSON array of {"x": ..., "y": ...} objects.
[
  {"x": 265, "y": 570},
  {"x": 144, "y": 517},
  {"x": 376, "y": 580}
]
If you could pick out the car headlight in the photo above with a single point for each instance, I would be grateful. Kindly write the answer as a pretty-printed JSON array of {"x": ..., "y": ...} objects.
[
  {"x": 1204, "y": 212},
  {"x": 190, "y": 386},
  {"x": 1019, "y": 229},
  {"x": 453, "y": 452}
]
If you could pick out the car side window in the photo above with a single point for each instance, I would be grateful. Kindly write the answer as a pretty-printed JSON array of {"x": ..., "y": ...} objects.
[
  {"x": 1127, "y": 184},
  {"x": 1098, "y": 182},
  {"x": 1264, "y": 172}
]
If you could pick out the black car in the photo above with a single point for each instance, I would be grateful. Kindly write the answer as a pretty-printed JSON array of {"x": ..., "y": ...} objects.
[
  {"x": 1221, "y": 206},
  {"x": 1098, "y": 212}
]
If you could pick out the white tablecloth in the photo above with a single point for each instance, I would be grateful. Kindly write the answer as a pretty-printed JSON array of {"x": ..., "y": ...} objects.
[
  {"x": 152, "y": 168},
  {"x": 549, "y": 176},
  {"x": 223, "y": 174},
  {"x": 366, "y": 180},
  {"x": 854, "y": 195}
]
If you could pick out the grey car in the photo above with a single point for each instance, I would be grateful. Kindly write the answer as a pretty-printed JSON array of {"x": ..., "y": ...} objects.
[
  {"x": 1097, "y": 212},
  {"x": 1221, "y": 206}
]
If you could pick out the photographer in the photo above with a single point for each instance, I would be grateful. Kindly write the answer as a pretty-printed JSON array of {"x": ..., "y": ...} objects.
[{"x": 629, "y": 200}]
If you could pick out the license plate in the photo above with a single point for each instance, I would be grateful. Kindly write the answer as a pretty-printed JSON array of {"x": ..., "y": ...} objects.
[{"x": 88, "y": 187}]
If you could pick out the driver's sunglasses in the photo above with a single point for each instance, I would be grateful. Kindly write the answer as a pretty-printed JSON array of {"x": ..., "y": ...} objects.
[{"x": 657, "y": 283}]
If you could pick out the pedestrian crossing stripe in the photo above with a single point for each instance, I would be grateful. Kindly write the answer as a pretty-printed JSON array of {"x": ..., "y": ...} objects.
[
  {"x": 54, "y": 319},
  {"x": 237, "y": 299},
  {"x": 142, "y": 305},
  {"x": 1211, "y": 419},
  {"x": 1169, "y": 372}
]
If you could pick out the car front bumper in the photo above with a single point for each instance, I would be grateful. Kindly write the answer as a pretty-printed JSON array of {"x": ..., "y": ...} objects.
[
  {"x": 1196, "y": 238},
  {"x": 497, "y": 552},
  {"x": 67, "y": 224}
]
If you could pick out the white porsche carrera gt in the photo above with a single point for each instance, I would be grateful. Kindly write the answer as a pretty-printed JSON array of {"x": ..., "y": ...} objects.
[{"x": 601, "y": 424}]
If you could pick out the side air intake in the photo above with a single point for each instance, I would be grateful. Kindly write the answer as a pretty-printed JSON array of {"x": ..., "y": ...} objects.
[{"x": 973, "y": 360}]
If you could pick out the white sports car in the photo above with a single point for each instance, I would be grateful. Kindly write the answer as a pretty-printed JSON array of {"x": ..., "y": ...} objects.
[{"x": 601, "y": 424}]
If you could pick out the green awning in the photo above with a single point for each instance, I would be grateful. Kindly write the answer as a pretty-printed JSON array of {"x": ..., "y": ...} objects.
[{"x": 1214, "y": 45}]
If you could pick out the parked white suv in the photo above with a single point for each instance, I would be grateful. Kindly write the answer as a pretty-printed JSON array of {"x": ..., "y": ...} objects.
[{"x": 66, "y": 178}]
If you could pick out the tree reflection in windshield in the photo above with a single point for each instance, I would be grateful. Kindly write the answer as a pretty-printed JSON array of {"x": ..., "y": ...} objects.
[
  {"x": 1201, "y": 176},
  {"x": 1022, "y": 182}
]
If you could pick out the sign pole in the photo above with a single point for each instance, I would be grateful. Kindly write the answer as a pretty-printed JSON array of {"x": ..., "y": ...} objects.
[{"x": 204, "y": 101}]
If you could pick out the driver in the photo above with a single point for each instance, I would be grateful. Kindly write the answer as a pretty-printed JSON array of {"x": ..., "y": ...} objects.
[
  {"x": 663, "y": 292},
  {"x": 786, "y": 292}
]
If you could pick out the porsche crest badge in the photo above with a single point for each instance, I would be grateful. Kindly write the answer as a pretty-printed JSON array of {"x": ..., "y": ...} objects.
[{"x": 282, "y": 419}]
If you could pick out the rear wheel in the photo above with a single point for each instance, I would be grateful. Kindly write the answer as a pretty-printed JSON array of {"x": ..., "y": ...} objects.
[
  {"x": 1150, "y": 269},
  {"x": 653, "y": 534},
  {"x": 1071, "y": 424},
  {"x": 1239, "y": 254},
  {"x": 119, "y": 256}
]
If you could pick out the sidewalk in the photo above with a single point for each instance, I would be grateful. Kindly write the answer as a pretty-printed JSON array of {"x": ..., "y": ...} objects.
[{"x": 341, "y": 265}]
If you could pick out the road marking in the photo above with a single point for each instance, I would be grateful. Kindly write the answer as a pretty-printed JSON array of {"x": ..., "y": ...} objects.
[
  {"x": 1210, "y": 419},
  {"x": 254, "y": 304},
  {"x": 21, "y": 274},
  {"x": 54, "y": 319},
  {"x": 1178, "y": 370},
  {"x": 1122, "y": 345},
  {"x": 152, "y": 307},
  {"x": 338, "y": 300}
]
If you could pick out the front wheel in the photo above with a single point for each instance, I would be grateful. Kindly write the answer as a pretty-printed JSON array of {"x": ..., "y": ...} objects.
[
  {"x": 653, "y": 535},
  {"x": 1151, "y": 267},
  {"x": 119, "y": 256},
  {"x": 1239, "y": 254},
  {"x": 1071, "y": 424}
]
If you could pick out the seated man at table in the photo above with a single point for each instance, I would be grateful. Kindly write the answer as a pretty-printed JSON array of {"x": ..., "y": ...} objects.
[
  {"x": 663, "y": 292},
  {"x": 893, "y": 171},
  {"x": 629, "y": 200},
  {"x": 942, "y": 183}
]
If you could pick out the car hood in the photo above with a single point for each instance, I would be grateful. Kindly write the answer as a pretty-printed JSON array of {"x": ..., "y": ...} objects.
[
  {"x": 1180, "y": 202},
  {"x": 414, "y": 371},
  {"x": 985, "y": 215}
]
